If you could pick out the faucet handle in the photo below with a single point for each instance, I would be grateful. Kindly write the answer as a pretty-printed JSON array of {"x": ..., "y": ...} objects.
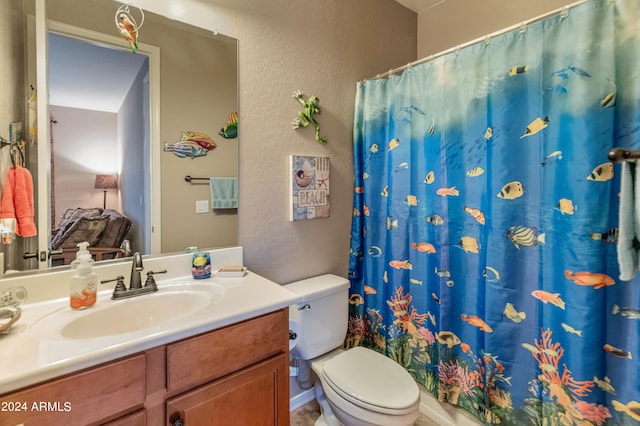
[
  {"x": 151, "y": 282},
  {"x": 120, "y": 287}
]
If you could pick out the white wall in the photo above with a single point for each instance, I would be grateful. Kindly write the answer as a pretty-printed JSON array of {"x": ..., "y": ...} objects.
[{"x": 85, "y": 144}]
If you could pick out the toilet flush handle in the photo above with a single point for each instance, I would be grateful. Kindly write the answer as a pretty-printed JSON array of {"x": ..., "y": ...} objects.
[{"x": 305, "y": 307}]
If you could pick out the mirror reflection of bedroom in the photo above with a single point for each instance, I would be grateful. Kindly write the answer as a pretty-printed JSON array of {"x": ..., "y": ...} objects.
[{"x": 98, "y": 104}]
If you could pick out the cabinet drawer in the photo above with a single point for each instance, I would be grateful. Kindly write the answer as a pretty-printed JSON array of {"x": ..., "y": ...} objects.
[
  {"x": 90, "y": 397},
  {"x": 203, "y": 358}
]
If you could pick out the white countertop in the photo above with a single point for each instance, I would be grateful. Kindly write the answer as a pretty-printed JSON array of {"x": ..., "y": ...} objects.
[{"x": 27, "y": 357}]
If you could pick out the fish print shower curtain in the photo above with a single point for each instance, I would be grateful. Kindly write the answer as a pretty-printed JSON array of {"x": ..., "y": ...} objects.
[{"x": 483, "y": 249}]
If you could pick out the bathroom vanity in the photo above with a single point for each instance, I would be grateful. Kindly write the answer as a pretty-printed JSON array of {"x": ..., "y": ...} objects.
[
  {"x": 223, "y": 361},
  {"x": 211, "y": 378}
]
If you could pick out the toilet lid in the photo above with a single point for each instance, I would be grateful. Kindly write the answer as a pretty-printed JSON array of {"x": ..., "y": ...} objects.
[{"x": 370, "y": 379}]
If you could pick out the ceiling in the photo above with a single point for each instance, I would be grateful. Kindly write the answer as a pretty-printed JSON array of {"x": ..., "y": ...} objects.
[
  {"x": 88, "y": 76},
  {"x": 419, "y": 5}
]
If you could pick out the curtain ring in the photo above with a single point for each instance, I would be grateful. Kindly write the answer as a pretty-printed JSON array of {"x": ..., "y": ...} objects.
[{"x": 523, "y": 27}]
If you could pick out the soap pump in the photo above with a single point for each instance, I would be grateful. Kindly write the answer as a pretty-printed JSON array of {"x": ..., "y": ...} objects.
[
  {"x": 84, "y": 284},
  {"x": 83, "y": 253}
]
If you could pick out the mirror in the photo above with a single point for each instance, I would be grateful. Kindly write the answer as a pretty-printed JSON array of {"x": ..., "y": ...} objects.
[{"x": 189, "y": 77}]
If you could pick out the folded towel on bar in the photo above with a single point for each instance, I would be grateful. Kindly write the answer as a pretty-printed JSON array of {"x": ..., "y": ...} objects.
[
  {"x": 629, "y": 221},
  {"x": 224, "y": 193}
]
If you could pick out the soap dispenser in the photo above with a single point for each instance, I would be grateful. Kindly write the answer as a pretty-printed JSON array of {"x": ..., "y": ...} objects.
[
  {"x": 84, "y": 284},
  {"x": 83, "y": 253}
]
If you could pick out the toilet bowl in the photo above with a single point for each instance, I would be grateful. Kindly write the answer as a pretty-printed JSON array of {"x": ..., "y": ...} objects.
[
  {"x": 355, "y": 387},
  {"x": 362, "y": 388}
]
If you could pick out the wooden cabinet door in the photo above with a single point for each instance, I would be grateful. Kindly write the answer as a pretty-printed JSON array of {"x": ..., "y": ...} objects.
[{"x": 254, "y": 396}]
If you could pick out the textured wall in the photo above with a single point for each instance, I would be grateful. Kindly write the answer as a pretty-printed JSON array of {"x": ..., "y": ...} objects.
[
  {"x": 322, "y": 48},
  {"x": 455, "y": 22}
]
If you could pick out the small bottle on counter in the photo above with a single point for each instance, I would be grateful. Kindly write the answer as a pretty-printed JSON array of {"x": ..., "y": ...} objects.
[{"x": 84, "y": 285}]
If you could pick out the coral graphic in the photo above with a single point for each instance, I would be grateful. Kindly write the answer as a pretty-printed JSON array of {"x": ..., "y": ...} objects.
[{"x": 558, "y": 395}]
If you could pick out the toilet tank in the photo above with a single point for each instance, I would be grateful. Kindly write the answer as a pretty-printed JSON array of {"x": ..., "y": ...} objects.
[{"x": 322, "y": 314}]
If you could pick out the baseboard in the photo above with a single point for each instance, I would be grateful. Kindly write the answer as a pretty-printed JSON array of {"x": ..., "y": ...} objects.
[{"x": 300, "y": 399}]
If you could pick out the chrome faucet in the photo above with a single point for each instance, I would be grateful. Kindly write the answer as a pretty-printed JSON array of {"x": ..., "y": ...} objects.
[{"x": 136, "y": 266}]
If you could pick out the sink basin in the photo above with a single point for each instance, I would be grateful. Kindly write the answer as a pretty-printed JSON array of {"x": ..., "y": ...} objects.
[{"x": 110, "y": 318}]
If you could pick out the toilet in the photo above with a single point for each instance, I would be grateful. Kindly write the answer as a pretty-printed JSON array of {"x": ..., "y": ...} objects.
[{"x": 355, "y": 387}]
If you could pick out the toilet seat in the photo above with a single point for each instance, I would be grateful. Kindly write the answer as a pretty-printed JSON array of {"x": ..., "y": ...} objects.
[{"x": 372, "y": 381}]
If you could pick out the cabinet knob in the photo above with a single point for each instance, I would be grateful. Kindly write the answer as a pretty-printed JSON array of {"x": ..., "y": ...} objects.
[{"x": 178, "y": 422}]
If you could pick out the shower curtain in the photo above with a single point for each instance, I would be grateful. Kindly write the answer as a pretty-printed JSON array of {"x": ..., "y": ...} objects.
[{"x": 483, "y": 247}]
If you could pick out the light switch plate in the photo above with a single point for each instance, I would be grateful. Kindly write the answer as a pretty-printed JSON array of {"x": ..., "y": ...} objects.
[{"x": 202, "y": 206}]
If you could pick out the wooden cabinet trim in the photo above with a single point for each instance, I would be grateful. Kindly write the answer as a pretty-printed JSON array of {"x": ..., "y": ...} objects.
[
  {"x": 198, "y": 360},
  {"x": 100, "y": 394}
]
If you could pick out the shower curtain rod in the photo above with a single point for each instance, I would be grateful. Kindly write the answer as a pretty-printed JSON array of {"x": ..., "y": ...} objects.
[{"x": 563, "y": 11}]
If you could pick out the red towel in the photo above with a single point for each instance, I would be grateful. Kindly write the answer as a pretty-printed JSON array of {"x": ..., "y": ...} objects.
[{"x": 17, "y": 201}]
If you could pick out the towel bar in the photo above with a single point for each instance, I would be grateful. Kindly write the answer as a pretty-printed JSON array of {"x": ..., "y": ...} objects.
[
  {"x": 188, "y": 178},
  {"x": 621, "y": 154}
]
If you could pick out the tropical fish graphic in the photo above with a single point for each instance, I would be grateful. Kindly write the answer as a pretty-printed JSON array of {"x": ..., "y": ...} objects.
[
  {"x": 448, "y": 191},
  {"x": 530, "y": 348},
  {"x": 535, "y": 126},
  {"x": 489, "y": 133},
  {"x": 617, "y": 351},
  {"x": 631, "y": 313},
  {"x": 602, "y": 172},
  {"x": 604, "y": 384},
  {"x": 518, "y": 70},
  {"x": 609, "y": 100},
  {"x": 511, "y": 190},
  {"x": 414, "y": 281},
  {"x": 423, "y": 247},
  {"x": 230, "y": 131},
  {"x": 435, "y": 220},
  {"x": 400, "y": 264},
  {"x": 468, "y": 244},
  {"x": 632, "y": 409},
  {"x": 491, "y": 274},
  {"x": 182, "y": 149},
  {"x": 402, "y": 166},
  {"x": 552, "y": 158},
  {"x": 476, "y": 321},
  {"x": 475, "y": 172},
  {"x": 524, "y": 236},
  {"x": 610, "y": 236},
  {"x": 546, "y": 297},
  {"x": 589, "y": 279},
  {"x": 566, "y": 206},
  {"x": 411, "y": 200},
  {"x": 374, "y": 251},
  {"x": 200, "y": 138},
  {"x": 443, "y": 273},
  {"x": 374, "y": 148},
  {"x": 391, "y": 223},
  {"x": 431, "y": 176},
  {"x": 432, "y": 128},
  {"x": 435, "y": 298},
  {"x": 369, "y": 290},
  {"x": 393, "y": 143},
  {"x": 450, "y": 283},
  {"x": 476, "y": 214},
  {"x": 385, "y": 191},
  {"x": 511, "y": 313},
  {"x": 447, "y": 338},
  {"x": 570, "y": 329},
  {"x": 356, "y": 299}
]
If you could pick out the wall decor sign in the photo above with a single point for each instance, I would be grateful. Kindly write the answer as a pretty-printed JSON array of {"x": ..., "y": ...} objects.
[{"x": 309, "y": 187}]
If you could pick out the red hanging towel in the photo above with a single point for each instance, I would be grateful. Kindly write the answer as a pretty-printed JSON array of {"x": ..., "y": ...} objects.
[{"x": 17, "y": 201}]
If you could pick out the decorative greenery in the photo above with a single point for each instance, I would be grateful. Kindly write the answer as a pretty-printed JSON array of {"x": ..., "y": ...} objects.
[{"x": 305, "y": 117}]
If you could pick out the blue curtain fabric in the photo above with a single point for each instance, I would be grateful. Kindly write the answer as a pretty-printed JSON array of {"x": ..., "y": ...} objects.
[{"x": 483, "y": 248}]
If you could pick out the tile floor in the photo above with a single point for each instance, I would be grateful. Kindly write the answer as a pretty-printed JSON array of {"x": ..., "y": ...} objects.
[{"x": 308, "y": 413}]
